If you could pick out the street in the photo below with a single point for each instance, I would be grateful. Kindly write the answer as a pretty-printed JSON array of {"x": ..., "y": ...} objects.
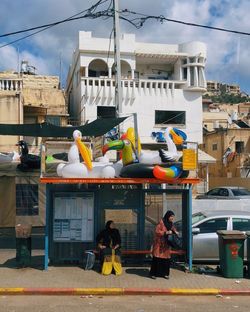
[{"x": 124, "y": 303}]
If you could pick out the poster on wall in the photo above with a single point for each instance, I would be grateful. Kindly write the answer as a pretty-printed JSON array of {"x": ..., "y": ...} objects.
[{"x": 74, "y": 218}]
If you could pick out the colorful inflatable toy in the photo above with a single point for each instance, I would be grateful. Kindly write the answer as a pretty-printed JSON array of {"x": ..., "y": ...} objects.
[
  {"x": 75, "y": 169},
  {"x": 161, "y": 164}
]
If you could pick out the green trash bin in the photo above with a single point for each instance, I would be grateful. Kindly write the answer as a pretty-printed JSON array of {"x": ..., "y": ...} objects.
[
  {"x": 23, "y": 245},
  {"x": 231, "y": 253},
  {"x": 248, "y": 253}
]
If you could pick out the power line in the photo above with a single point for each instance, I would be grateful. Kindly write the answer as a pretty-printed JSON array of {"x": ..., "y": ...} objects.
[
  {"x": 71, "y": 18},
  {"x": 90, "y": 14},
  {"x": 139, "y": 22}
]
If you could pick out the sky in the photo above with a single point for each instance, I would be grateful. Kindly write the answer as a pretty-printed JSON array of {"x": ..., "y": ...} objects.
[{"x": 50, "y": 51}]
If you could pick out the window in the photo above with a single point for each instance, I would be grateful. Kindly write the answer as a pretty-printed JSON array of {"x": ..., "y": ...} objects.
[
  {"x": 223, "y": 192},
  {"x": 106, "y": 112},
  {"x": 54, "y": 120},
  {"x": 214, "y": 147},
  {"x": 213, "y": 225},
  {"x": 240, "y": 192},
  {"x": 170, "y": 117},
  {"x": 214, "y": 192},
  {"x": 27, "y": 200},
  {"x": 185, "y": 73},
  {"x": 241, "y": 224},
  {"x": 239, "y": 147}
]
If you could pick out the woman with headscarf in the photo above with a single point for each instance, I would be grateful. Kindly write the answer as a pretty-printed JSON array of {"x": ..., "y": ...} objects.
[
  {"x": 161, "y": 252},
  {"x": 109, "y": 244}
]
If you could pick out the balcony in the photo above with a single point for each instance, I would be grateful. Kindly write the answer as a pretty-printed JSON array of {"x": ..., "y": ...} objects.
[
  {"x": 105, "y": 87},
  {"x": 10, "y": 84}
]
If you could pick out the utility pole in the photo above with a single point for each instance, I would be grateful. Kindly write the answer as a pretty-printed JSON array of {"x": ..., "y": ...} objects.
[{"x": 117, "y": 63}]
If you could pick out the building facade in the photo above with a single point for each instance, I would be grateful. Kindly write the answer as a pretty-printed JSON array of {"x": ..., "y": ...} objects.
[
  {"x": 231, "y": 149},
  {"x": 26, "y": 99},
  {"x": 162, "y": 83}
]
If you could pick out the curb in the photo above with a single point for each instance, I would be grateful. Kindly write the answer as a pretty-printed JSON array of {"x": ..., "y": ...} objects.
[{"x": 123, "y": 291}]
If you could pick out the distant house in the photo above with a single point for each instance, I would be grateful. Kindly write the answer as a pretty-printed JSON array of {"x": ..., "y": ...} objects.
[{"x": 26, "y": 98}]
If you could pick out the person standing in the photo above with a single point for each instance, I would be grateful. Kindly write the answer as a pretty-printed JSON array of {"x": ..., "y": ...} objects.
[
  {"x": 161, "y": 252},
  {"x": 109, "y": 244}
]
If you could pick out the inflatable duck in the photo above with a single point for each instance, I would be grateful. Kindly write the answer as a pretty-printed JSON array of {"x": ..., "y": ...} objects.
[
  {"x": 75, "y": 169},
  {"x": 142, "y": 164},
  {"x": 28, "y": 161}
]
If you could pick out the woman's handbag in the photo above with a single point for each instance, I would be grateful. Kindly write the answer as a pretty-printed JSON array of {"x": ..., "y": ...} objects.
[{"x": 174, "y": 241}]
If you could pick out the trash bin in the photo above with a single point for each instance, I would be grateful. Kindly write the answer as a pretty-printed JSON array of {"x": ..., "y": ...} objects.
[
  {"x": 248, "y": 253},
  {"x": 231, "y": 253},
  {"x": 23, "y": 244}
]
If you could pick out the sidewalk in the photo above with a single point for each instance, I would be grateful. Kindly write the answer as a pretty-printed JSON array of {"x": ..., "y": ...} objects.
[{"x": 73, "y": 280}]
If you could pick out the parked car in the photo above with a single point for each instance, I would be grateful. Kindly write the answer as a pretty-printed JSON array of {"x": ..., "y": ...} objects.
[
  {"x": 226, "y": 192},
  {"x": 204, "y": 228}
]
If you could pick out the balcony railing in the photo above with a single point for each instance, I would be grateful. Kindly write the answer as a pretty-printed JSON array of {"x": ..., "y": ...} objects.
[
  {"x": 11, "y": 84},
  {"x": 105, "y": 87}
]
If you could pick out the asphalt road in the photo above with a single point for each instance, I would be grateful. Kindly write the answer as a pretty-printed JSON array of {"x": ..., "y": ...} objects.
[{"x": 124, "y": 304}]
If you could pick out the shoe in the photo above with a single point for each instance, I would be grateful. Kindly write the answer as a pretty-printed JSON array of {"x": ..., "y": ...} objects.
[
  {"x": 166, "y": 277},
  {"x": 153, "y": 277}
]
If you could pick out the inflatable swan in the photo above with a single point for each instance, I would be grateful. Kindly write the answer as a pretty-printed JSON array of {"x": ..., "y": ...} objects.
[
  {"x": 143, "y": 164},
  {"x": 75, "y": 169}
]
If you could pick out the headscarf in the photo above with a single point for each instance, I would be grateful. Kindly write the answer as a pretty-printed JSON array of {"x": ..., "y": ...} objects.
[
  {"x": 107, "y": 235},
  {"x": 107, "y": 226},
  {"x": 168, "y": 224}
]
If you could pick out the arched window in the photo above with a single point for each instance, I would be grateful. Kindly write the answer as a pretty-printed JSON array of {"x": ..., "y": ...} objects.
[
  {"x": 125, "y": 70},
  {"x": 98, "y": 68}
]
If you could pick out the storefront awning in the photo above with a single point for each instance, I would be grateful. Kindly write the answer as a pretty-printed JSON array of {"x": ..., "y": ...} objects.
[{"x": 204, "y": 158}]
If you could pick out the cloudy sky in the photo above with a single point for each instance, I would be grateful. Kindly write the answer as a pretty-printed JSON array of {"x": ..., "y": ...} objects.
[{"x": 228, "y": 58}]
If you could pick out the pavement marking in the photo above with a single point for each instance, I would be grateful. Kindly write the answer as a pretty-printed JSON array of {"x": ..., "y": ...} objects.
[
  {"x": 11, "y": 290},
  {"x": 192, "y": 291},
  {"x": 120, "y": 291}
]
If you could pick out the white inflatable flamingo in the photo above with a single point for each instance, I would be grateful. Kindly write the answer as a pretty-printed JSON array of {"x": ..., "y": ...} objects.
[{"x": 75, "y": 169}]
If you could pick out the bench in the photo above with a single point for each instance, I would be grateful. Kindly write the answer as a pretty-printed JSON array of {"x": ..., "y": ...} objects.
[
  {"x": 143, "y": 252},
  {"x": 90, "y": 259}
]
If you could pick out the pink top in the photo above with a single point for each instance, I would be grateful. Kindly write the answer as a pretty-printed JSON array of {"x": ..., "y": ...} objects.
[{"x": 161, "y": 249}]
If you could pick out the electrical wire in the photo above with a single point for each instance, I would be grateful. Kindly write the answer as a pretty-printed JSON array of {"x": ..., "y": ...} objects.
[
  {"x": 139, "y": 22},
  {"x": 47, "y": 26},
  {"x": 71, "y": 18}
]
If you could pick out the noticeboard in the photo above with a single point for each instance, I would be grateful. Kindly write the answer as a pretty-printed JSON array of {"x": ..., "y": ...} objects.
[{"x": 74, "y": 218}]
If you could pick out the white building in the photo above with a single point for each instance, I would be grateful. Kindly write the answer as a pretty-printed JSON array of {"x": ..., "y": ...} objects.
[{"x": 162, "y": 83}]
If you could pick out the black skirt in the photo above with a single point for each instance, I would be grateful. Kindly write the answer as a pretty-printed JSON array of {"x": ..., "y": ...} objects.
[{"x": 160, "y": 267}]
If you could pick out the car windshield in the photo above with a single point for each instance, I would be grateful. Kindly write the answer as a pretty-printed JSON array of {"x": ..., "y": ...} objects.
[
  {"x": 196, "y": 217},
  {"x": 240, "y": 192}
]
